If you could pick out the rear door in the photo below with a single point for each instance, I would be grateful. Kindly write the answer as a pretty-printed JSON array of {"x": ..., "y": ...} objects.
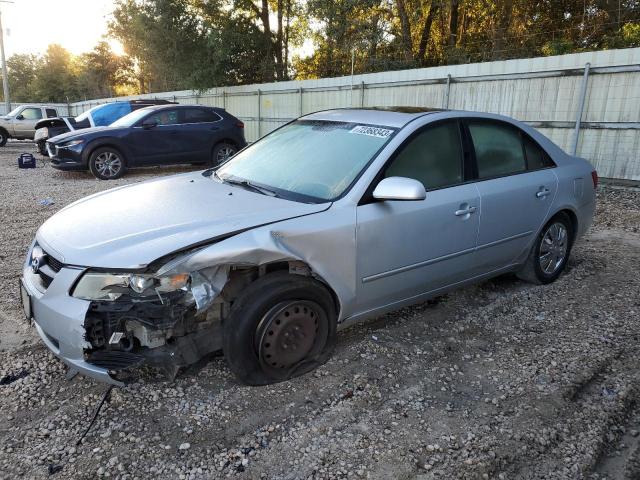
[
  {"x": 516, "y": 186},
  {"x": 200, "y": 128},
  {"x": 405, "y": 249}
]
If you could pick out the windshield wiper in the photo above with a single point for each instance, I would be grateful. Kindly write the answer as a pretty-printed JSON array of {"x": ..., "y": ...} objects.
[{"x": 247, "y": 184}]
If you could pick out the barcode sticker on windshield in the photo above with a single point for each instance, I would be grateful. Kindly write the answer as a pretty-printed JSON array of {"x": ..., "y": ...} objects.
[{"x": 371, "y": 131}]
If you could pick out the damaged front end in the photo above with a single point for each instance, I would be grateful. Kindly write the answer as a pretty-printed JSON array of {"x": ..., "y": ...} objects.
[{"x": 165, "y": 322}]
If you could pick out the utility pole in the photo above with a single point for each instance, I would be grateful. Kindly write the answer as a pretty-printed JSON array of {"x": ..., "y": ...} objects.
[{"x": 5, "y": 75}]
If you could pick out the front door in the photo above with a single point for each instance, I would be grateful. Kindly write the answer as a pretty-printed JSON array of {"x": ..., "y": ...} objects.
[
  {"x": 24, "y": 125},
  {"x": 161, "y": 144},
  {"x": 516, "y": 191},
  {"x": 405, "y": 249}
]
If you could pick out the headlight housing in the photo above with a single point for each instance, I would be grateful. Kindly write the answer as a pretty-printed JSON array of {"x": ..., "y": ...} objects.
[
  {"x": 72, "y": 143},
  {"x": 111, "y": 286}
]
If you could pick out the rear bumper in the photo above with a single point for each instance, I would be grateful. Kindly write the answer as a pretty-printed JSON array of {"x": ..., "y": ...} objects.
[{"x": 59, "y": 320}]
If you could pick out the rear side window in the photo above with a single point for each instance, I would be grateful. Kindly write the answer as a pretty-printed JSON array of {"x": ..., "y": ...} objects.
[
  {"x": 537, "y": 158},
  {"x": 433, "y": 156},
  {"x": 498, "y": 149},
  {"x": 51, "y": 113},
  {"x": 200, "y": 115}
]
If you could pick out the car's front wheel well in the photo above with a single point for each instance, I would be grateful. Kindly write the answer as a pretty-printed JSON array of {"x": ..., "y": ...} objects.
[
  {"x": 95, "y": 147},
  {"x": 240, "y": 277}
]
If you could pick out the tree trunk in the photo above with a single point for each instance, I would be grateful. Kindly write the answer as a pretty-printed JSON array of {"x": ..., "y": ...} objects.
[
  {"x": 286, "y": 40},
  {"x": 279, "y": 41},
  {"x": 405, "y": 27},
  {"x": 500, "y": 35},
  {"x": 268, "y": 42},
  {"x": 426, "y": 30},
  {"x": 453, "y": 23}
]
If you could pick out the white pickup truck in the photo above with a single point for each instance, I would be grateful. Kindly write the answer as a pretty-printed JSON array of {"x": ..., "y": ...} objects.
[{"x": 20, "y": 123}]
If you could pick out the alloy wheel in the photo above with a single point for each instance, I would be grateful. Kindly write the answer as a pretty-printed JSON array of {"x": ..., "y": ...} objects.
[
  {"x": 223, "y": 154},
  {"x": 108, "y": 164},
  {"x": 553, "y": 248}
]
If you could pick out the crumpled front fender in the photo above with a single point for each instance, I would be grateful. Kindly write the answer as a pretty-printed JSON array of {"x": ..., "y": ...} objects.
[{"x": 324, "y": 241}]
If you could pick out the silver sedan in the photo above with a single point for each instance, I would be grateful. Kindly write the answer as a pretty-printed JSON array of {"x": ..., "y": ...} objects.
[{"x": 335, "y": 217}]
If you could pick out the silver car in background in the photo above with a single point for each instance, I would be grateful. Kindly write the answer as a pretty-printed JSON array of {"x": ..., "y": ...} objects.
[{"x": 335, "y": 217}]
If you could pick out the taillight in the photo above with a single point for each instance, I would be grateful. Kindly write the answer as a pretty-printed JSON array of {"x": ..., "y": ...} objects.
[
  {"x": 240, "y": 125},
  {"x": 594, "y": 177}
]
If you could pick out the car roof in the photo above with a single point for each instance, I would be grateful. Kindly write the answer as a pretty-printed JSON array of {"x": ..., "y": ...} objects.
[
  {"x": 175, "y": 105},
  {"x": 395, "y": 116}
]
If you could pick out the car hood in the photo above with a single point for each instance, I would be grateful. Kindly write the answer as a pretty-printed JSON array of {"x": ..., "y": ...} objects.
[
  {"x": 131, "y": 226},
  {"x": 83, "y": 133}
]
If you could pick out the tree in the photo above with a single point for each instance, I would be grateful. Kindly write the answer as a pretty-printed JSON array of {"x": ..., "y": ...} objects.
[
  {"x": 23, "y": 70},
  {"x": 56, "y": 78}
]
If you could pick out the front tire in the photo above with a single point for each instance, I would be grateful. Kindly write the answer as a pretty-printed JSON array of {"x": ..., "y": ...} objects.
[
  {"x": 280, "y": 327},
  {"x": 550, "y": 252},
  {"x": 107, "y": 163}
]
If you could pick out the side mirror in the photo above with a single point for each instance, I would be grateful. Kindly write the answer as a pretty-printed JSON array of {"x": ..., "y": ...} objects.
[
  {"x": 399, "y": 188},
  {"x": 149, "y": 124},
  {"x": 20, "y": 117}
]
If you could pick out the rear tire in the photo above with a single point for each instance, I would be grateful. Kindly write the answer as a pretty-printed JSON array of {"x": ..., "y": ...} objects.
[
  {"x": 221, "y": 153},
  {"x": 107, "y": 163},
  {"x": 550, "y": 252},
  {"x": 280, "y": 327},
  {"x": 4, "y": 136}
]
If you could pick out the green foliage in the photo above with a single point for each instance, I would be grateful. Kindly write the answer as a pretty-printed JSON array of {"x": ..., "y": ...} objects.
[
  {"x": 58, "y": 76},
  {"x": 198, "y": 44}
]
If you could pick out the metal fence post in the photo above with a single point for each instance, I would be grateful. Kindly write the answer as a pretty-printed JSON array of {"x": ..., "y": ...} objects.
[
  {"x": 583, "y": 96},
  {"x": 259, "y": 113},
  {"x": 224, "y": 99},
  {"x": 362, "y": 94},
  {"x": 300, "y": 90},
  {"x": 447, "y": 94}
]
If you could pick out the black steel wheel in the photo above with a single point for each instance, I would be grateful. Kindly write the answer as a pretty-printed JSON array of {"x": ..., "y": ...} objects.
[{"x": 280, "y": 327}]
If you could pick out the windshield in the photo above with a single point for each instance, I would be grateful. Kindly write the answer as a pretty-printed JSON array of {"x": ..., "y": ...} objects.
[
  {"x": 14, "y": 112},
  {"x": 131, "y": 119},
  {"x": 85, "y": 115},
  {"x": 316, "y": 159}
]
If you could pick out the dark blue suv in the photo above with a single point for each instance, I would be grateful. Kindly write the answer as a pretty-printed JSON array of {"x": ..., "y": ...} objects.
[{"x": 158, "y": 135}]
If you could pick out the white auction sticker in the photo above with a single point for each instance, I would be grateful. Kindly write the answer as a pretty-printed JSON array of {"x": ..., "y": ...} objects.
[{"x": 371, "y": 131}]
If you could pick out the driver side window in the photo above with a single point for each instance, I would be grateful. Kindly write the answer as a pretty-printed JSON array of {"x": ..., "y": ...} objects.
[
  {"x": 434, "y": 157},
  {"x": 31, "y": 114},
  {"x": 165, "y": 117}
]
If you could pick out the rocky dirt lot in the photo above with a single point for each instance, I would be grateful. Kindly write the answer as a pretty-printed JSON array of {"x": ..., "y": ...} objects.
[{"x": 502, "y": 380}]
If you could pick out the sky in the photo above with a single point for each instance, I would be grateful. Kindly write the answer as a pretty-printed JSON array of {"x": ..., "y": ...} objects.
[{"x": 31, "y": 25}]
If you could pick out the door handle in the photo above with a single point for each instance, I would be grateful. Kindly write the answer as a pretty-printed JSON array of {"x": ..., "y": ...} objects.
[
  {"x": 465, "y": 211},
  {"x": 543, "y": 192}
]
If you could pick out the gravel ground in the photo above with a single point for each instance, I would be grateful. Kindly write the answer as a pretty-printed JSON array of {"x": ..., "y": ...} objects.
[{"x": 501, "y": 380}]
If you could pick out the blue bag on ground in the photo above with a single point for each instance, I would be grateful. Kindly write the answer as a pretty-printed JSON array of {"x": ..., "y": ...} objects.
[{"x": 26, "y": 160}]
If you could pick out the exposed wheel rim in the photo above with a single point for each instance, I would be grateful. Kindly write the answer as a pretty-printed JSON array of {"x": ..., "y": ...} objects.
[
  {"x": 553, "y": 248},
  {"x": 1, "y": 138},
  {"x": 224, "y": 153},
  {"x": 289, "y": 333},
  {"x": 108, "y": 164}
]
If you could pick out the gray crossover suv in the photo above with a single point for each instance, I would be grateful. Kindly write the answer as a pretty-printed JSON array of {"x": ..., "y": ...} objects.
[{"x": 335, "y": 217}]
